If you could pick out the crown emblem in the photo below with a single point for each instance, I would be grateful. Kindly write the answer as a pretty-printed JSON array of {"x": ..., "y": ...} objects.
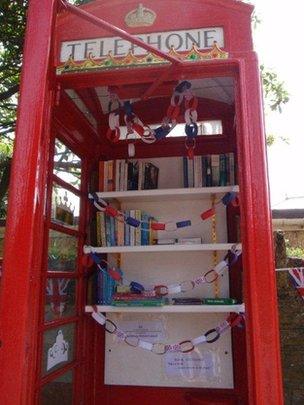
[{"x": 141, "y": 17}]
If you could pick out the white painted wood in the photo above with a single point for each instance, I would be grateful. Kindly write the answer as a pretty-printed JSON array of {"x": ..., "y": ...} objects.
[
  {"x": 169, "y": 264},
  {"x": 164, "y": 195},
  {"x": 190, "y": 309},
  {"x": 125, "y": 365},
  {"x": 159, "y": 248}
]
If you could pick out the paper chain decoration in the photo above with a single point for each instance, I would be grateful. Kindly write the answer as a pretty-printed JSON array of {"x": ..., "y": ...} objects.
[
  {"x": 162, "y": 290},
  {"x": 181, "y": 92},
  {"x": 103, "y": 206},
  {"x": 186, "y": 346}
]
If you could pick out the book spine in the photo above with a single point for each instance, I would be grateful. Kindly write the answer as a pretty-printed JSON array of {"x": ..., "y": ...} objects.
[
  {"x": 101, "y": 176},
  {"x": 223, "y": 172},
  {"x": 117, "y": 174},
  {"x": 185, "y": 172},
  {"x": 99, "y": 288},
  {"x": 120, "y": 233},
  {"x": 103, "y": 229},
  {"x": 132, "y": 229},
  {"x": 229, "y": 183},
  {"x": 208, "y": 171},
  {"x": 127, "y": 230},
  {"x": 138, "y": 229},
  {"x": 215, "y": 165},
  {"x": 112, "y": 231},
  {"x": 140, "y": 175},
  {"x": 232, "y": 169},
  {"x": 203, "y": 170},
  {"x": 144, "y": 229},
  {"x": 108, "y": 230},
  {"x": 98, "y": 228}
]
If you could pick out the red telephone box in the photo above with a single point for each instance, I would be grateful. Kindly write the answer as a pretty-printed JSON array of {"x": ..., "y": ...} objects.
[{"x": 79, "y": 62}]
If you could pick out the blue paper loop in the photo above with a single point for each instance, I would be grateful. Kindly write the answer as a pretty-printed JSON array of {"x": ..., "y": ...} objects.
[
  {"x": 183, "y": 224},
  {"x": 136, "y": 287},
  {"x": 226, "y": 200},
  {"x": 133, "y": 222},
  {"x": 191, "y": 130}
]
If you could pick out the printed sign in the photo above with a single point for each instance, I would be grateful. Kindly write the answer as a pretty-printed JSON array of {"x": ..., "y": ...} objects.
[
  {"x": 150, "y": 331},
  {"x": 182, "y": 41},
  {"x": 190, "y": 366}
]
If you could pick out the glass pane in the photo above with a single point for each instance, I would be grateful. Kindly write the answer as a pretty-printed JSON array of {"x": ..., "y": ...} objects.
[
  {"x": 58, "y": 347},
  {"x": 62, "y": 252},
  {"x": 59, "y": 391},
  {"x": 60, "y": 298},
  {"x": 67, "y": 165},
  {"x": 65, "y": 207}
]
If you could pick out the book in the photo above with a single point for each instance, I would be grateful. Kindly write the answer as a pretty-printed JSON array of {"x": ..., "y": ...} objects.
[
  {"x": 144, "y": 229},
  {"x": 101, "y": 172},
  {"x": 208, "y": 171},
  {"x": 190, "y": 167},
  {"x": 223, "y": 170},
  {"x": 132, "y": 175},
  {"x": 150, "y": 176},
  {"x": 219, "y": 301},
  {"x": 215, "y": 170}
]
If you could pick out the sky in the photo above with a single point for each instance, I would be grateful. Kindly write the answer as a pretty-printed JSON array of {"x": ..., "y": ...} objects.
[{"x": 278, "y": 41}]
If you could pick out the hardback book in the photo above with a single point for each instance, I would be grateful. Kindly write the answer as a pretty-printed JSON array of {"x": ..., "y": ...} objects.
[
  {"x": 208, "y": 170},
  {"x": 133, "y": 175},
  {"x": 151, "y": 176},
  {"x": 138, "y": 229},
  {"x": 190, "y": 167},
  {"x": 215, "y": 167},
  {"x": 223, "y": 170},
  {"x": 144, "y": 228}
]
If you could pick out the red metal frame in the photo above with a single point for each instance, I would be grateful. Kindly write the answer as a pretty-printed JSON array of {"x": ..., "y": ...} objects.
[{"x": 22, "y": 294}]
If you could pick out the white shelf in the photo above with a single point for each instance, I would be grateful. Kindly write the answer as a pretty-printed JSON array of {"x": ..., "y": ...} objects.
[
  {"x": 159, "y": 248},
  {"x": 170, "y": 309},
  {"x": 166, "y": 194}
]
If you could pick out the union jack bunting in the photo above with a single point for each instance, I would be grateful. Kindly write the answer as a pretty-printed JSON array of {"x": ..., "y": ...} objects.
[
  {"x": 297, "y": 280},
  {"x": 57, "y": 294}
]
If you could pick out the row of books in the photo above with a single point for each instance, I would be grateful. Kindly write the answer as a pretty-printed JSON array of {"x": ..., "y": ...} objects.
[
  {"x": 209, "y": 170},
  {"x": 122, "y": 175},
  {"x": 111, "y": 232}
]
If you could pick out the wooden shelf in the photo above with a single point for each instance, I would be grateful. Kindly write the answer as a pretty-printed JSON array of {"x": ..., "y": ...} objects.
[
  {"x": 159, "y": 248},
  {"x": 170, "y": 309},
  {"x": 166, "y": 194}
]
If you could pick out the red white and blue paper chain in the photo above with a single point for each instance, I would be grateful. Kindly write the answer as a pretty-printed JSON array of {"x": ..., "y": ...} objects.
[
  {"x": 133, "y": 123},
  {"x": 171, "y": 226},
  {"x": 162, "y": 290},
  {"x": 186, "y": 346}
]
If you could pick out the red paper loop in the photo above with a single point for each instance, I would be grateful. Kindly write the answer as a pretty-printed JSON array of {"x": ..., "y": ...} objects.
[
  {"x": 158, "y": 227},
  {"x": 208, "y": 214},
  {"x": 113, "y": 135},
  {"x": 112, "y": 212}
]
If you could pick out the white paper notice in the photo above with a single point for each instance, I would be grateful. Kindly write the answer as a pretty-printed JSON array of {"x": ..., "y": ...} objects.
[
  {"x": 190, "y": 366},
  {"x": 150, "y": 331}
]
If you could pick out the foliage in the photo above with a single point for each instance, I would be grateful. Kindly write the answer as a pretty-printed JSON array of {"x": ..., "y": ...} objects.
[
  {"x": 274, "y": 89},
  {"x": 297, "y": 252}
]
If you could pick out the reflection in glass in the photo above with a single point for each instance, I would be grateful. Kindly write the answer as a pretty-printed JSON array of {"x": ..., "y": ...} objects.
[
  {"x": 58, "y": 391},
  {"x": 60, "y": 298},
  {"x": 58, "y": 347},
  {"x": 65, "y": 207},
  {"x": 62, "y": 252},
  {"x": 67, "y": 165}
]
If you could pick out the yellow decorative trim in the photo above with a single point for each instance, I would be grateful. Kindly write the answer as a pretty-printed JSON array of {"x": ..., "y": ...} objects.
[{"x": 130, "y": 60}]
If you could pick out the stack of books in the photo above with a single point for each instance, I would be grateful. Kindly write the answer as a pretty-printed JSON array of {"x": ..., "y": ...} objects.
[
  {"x": 209, "y": 170},
  {"x": 136, "y": 300},
  {"x": 123, "y": 175},
  {"x": 112, "y": 232}
]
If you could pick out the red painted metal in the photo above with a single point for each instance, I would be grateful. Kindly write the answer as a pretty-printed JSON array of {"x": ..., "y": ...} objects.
[
  {"x": 263, "y": 348},
  {"x": 23, "y": 242},
  {"x": 121, "y": 33}
]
